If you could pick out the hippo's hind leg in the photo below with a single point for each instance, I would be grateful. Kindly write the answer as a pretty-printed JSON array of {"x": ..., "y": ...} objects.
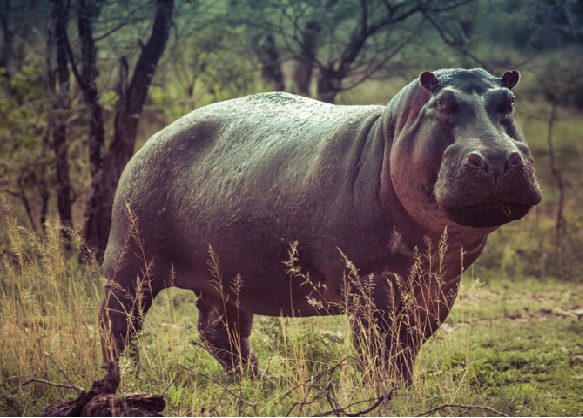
[
  {"x": 121, "y": 317},
  {"x": 224, "y": 330}
]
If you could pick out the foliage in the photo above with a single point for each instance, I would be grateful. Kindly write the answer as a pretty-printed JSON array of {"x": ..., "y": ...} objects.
[
  {"x": 23, "y": 164},
  {"x": 545, "y": 25},
  {"x": 195, "y": 75},
  {"x": 27, "y": 160},
  {"x": 21, "y": 113}
]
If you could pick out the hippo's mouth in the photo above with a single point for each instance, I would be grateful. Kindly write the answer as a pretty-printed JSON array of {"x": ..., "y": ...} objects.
[{"x": 486, "y": 216}]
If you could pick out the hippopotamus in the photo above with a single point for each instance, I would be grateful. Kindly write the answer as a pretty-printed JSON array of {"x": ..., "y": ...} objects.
[{"x": 281, "y": 205}]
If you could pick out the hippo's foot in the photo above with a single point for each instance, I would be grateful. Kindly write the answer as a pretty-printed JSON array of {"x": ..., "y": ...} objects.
[{"x": 225, "y": 331}]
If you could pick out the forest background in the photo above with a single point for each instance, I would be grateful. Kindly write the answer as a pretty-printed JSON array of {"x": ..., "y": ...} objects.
[{"x": 83, "y": 84}]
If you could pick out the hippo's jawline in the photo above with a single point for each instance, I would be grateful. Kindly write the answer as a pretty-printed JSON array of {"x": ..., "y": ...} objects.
[{"x": 486, "y": 216}]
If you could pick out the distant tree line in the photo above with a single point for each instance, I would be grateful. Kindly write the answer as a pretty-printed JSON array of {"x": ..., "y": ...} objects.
[{"x": 76, "y": 75}]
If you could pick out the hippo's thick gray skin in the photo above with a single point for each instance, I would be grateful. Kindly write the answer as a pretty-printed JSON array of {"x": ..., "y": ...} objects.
[{"x": 251, "y": 175}]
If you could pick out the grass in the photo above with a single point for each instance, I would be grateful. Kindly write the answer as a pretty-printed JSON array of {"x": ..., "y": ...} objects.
[
  {"x": 47, "y": 320},
  {"x": 509, "y": 345}
]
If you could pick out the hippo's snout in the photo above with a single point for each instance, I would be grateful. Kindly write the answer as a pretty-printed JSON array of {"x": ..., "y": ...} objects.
[
  {"x": 502, "y": 163},
  {"x": 494, "y": 164},
  {"x": 487, "y": 187}
]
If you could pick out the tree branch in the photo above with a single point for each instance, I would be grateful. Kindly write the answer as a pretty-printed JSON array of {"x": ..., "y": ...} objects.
[
  {"x": 76, "y": 388},
  {"x": 467, "y": 408},
  {"x": 449, "y": 40},
  {"x": 452, "y": 6},
  {"x": 343, "y": 410}
]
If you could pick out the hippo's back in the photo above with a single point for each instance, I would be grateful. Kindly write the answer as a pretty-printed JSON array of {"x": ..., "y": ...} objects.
[{"x": 248, "y": 176}]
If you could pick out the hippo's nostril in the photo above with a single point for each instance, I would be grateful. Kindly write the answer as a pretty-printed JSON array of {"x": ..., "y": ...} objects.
[
  {"x": 515, "y": 158},
  {"x": 475, "y": 158}
]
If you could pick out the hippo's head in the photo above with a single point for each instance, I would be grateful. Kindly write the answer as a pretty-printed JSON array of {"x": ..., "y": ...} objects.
[{"x": 470, "y": 165}]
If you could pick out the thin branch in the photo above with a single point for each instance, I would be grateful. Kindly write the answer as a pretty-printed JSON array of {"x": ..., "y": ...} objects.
[
  {"x": 178, "y": 375},
  {"x": 342, "y": 411},
  {"x": 73, "y": 62},
  {"x": 452, "y": 6},
  {"x": 459, "y": 406},
  {"x": 65, "y": 375},
  {"x": 557, "y": 174},
  {"x": 225, "y": 388},
  {"x": 76, "y": 388},
  {"x": 124, "y": 22},
  {"x": 304, "y": 402},
  {"x": 449, "y": 40},
  {"x": 25, "y": 201},
  {"x": 327, "y": 371},
  {"x": 367, "y": 73}
]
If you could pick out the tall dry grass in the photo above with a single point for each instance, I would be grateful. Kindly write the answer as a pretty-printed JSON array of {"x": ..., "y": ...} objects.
[
  {"x": 48, "y": 306},
  {"x": 308, "y": 366}
]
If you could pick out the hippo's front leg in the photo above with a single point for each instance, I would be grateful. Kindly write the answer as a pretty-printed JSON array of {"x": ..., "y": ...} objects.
[
  {"x": 393, "y": 316},
  {"x": 385, "y": 334},
  {"x": 121, "y": 318},
  {"x": 225, "y": 330}
]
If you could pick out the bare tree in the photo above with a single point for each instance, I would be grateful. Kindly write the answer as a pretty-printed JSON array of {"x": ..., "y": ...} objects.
[
  {"x": 132, "y": 96},
  {"x": 7, "y": 36},
  {"x": 304, "y": 69},
  {"x": 88, "y": 12},
  {"x": 457, "y": 34},
  {"x": 270, "y": 58},
  {"x": 559, "y": 82},
  {"x": 255, "y": 18},
  {"x": 58, "y": 89},
  {"x": 345, "y": 43}
]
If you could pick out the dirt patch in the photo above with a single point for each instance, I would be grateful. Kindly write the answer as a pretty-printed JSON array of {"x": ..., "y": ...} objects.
[
  {"x": 515, "y": 303},
  {"x": 569, "y": 312}
]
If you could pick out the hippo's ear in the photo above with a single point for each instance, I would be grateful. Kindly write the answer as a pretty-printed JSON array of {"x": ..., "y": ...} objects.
[
  {"x": 428, "y": 80},
  {"x": 510, "y": 78}
]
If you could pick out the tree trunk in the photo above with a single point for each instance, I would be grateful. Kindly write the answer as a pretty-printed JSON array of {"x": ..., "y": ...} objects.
[
  {"x": 89, "y": 12},
  {"x": 270, "y": 59},
  {"x": 7, "y": 37},
  {"x": 50, "y": 91},
  {"x": 305, "y": 61},
  {"x": 61, "y": 106},
  {"x": 45, "y": 194},
  {"x": 560, "y": 221},
  {"x": 329, "y": 83},
  {"x": 129, "y": 108}
]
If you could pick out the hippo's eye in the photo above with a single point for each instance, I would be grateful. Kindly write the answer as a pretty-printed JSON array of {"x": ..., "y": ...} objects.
[
  {"x": 507, "y": 105},
  {"x": 442, "y": 104},
  {"x": 446, "y": 104}
]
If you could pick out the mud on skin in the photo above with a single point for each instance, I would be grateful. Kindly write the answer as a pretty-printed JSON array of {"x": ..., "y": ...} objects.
[{"x": 251, "y": 175}]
